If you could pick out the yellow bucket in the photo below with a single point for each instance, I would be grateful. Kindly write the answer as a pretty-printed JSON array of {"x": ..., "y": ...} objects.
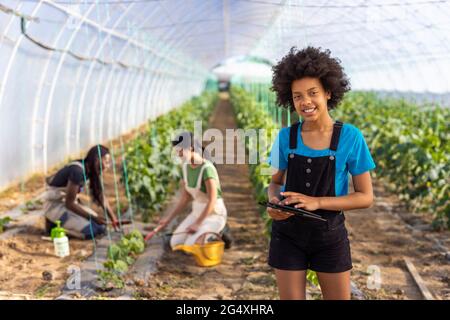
[{"x": 206, "y": 254}]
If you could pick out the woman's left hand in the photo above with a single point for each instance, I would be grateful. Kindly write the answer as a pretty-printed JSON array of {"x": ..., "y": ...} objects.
[
  {"x": 302, "y": 201},
  {"x": 193, "y": 228},
  {"x": 116, "y": 225}
]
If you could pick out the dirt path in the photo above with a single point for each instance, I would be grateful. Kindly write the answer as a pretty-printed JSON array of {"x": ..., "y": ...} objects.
[
  {"x": 244, "y": 273},
  {"x": 380, "y": 238}
]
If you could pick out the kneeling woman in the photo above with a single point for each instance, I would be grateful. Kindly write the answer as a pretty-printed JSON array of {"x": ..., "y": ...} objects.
[
  {"x": 202, "y": 186},
  {"x": 62, "y": 201}
]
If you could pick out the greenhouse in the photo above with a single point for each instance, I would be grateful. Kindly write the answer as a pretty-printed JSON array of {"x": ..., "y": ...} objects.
[{"x": 224, "y": 150}]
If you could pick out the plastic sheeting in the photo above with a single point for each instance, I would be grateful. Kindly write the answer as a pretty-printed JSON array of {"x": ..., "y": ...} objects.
[{"x": 77, "y": 72}]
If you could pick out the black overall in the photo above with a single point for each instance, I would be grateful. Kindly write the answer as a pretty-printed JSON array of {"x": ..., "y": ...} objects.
[{"x": 299, "y": 243}]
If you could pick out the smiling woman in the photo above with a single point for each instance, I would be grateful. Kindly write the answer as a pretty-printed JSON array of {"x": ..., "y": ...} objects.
[
  {"x": 312, "y": 67},
  {"x": 312, "y": 159}
]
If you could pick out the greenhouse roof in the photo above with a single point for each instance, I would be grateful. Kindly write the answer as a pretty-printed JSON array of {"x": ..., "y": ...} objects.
[{"x": 384, "y": 44}]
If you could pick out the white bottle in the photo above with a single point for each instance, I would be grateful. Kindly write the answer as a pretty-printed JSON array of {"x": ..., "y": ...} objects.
[{"x": 60, "y": 241}]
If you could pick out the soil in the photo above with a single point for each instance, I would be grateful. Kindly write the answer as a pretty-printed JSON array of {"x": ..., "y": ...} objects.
[
  {"x": 29, "y": 266},
  {"x": 380, "y": 237}
]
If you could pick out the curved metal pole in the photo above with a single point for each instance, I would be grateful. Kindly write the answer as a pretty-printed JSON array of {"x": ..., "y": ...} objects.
[
  {"x": 78, "y": 74},
  {"x": 8, "y": 70},
  {"x": 160, "y": 81},
  {"x": 10, "y": 23},
  {"x": 110, "y": 81},
  {"x": 37, "y": 103},
  {"x": 49, "y": 105},
  {"x": 94, "y": 123},
  {"x": 85, "y": 86},
  {"x": 113, "y": 33}
]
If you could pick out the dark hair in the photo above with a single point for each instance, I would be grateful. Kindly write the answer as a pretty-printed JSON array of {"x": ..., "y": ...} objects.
[
  {"x": 186, "y": 140},
  {"x": 92, "y": 165},
  {"x": 309, "y": 62}
]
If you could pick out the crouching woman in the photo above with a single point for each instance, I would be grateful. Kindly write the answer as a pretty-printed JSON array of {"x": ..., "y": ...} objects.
[{"x": 62, "y": 202}]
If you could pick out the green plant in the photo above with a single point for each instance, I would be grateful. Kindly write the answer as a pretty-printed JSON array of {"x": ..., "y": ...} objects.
[
  {"x": 312, "y": 277},
  {"x": 3, "y": 222},
  {"x": 120, "y": 256},
  {"x": 42, "y": 290},
  {"x": 32, "y": 205},
  {"x": 110, "y": 279},
  {"x": 410, "y": 146}
]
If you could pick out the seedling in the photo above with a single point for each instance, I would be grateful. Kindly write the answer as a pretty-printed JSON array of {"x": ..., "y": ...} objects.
[
  {"x": 120, "y": 256},
  {"x": 3, "y": 222}
]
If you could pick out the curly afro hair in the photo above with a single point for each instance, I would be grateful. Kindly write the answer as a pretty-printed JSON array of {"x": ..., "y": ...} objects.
[{"x": 309, "y": 62}]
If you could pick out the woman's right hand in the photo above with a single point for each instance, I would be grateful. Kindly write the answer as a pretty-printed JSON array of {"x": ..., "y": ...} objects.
[
  {"x": 163, "y": 222},
  {"x": 99, "y": 220},
  {"x": 276, "y": 214}
]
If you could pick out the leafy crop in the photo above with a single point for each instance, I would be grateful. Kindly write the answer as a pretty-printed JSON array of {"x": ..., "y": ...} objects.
[
  {"x": 3, "y": 222},
  {"x": 410, "y": 146},
  {"x": 120, "y": 256}
]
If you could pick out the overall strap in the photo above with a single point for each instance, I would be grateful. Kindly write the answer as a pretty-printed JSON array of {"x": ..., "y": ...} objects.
[
  {"x": 185, "y": 173},
  {"x": 76, "y": 163},
  {"x": 293, "y": 134},
  {"x": 200, "y": 175},
  {"x": 336, "y": 134}
]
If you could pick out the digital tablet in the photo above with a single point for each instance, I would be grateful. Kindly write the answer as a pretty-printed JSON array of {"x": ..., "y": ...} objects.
[{"x": 296, "y": 211}]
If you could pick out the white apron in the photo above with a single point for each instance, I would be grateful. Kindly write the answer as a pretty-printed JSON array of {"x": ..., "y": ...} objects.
[
  {"x": 55, "y": 209},
  {"x": 214, "y": 222}
]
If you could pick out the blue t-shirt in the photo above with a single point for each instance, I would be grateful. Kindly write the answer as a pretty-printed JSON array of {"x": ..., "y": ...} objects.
[{"x": 352, "y": 154}]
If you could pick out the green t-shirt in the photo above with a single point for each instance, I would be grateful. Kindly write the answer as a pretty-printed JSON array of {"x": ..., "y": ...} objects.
[{"x": 208, "y": 172}]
